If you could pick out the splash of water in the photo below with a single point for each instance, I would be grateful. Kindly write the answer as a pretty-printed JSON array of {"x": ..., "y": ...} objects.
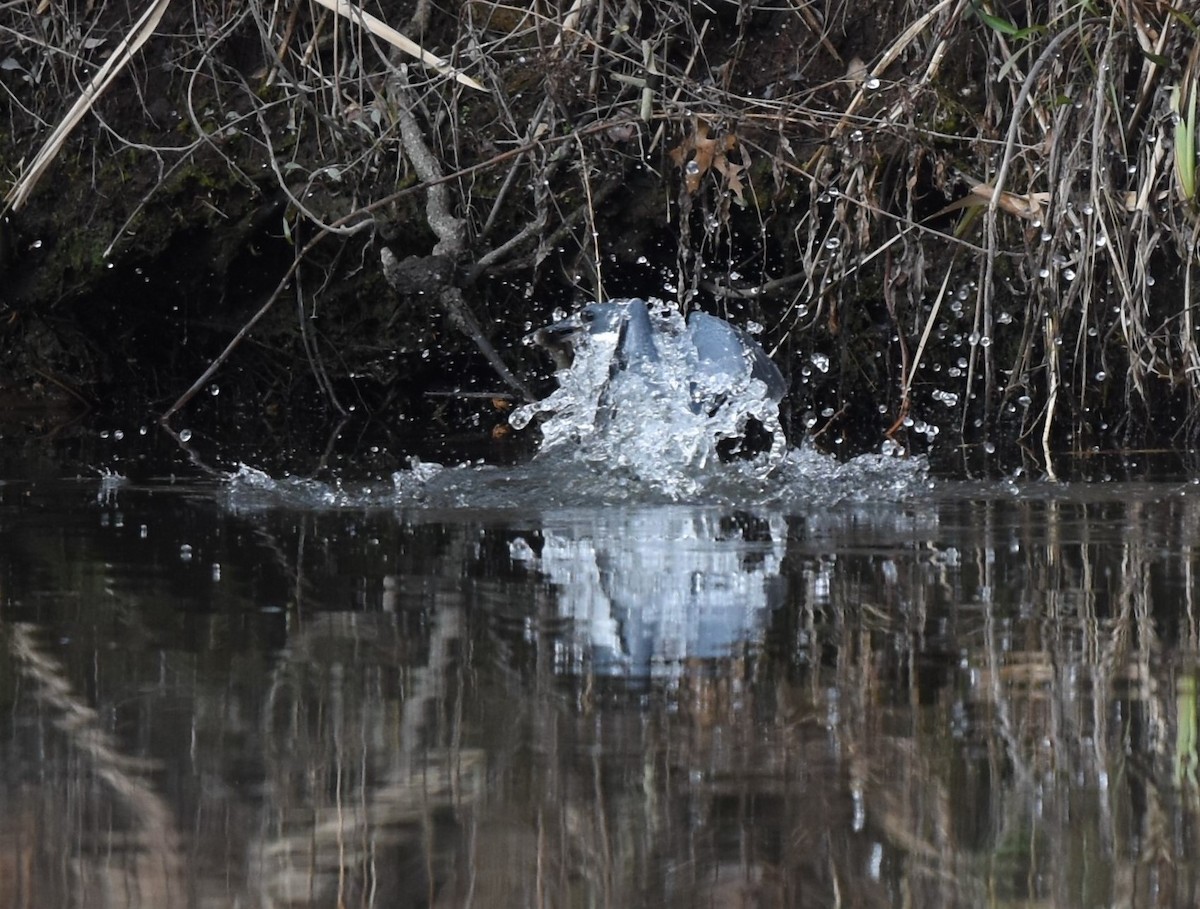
[
  {"x": 661, "y": 423},
  {"x": 632, "y": 426}
]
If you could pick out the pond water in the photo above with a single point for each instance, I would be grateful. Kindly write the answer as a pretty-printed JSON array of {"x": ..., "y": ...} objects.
[{"x": 249, "y": 693}]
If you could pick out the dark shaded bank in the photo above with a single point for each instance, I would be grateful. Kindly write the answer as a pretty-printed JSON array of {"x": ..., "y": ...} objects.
[{"x": 965, "y": 228}]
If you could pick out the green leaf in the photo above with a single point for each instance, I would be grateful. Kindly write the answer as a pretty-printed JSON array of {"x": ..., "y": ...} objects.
[
  {"x": 1003, "y": 26},
  {"x": 1185, "y": 142}
]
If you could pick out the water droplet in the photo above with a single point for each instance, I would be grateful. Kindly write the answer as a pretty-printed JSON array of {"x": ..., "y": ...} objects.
[
  {"x": 216, "y": 571},
  {"x": 973, "y": 338},
  {"x": 1102, "y": 240},
  {"x": 36, "y": 244},
  {"x": 185, "y": 553},
  {"x": 856, "y": 136},
  {"x": 1005, "y": 318},
  {"x": 118, "y": 434},
  {"x": 1047, "y": 236},
  {"x": 1043, "y": 272},
  {"x": 185, "y": 435},
  {"x": 1149, "y": 280},
  {"x": 215, "y": 390},
  {"x": 1101, "y": 376},
  {"x": 989, "y": 447},
  {"x": 1087, "y": 208},
  {"x": 985, "y": 341},
  {"x": 693, "y": 168},
  {"x": 1024, "y": 400},
  {"x": 820, "y": 361},
  {"x": 1068, "y": 274},
  {"x": 833, "y": 243},
  {"x": 871, "y": 84}
]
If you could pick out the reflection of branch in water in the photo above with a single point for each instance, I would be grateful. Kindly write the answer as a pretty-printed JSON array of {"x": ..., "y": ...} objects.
[{"x": 152, "y": 874}]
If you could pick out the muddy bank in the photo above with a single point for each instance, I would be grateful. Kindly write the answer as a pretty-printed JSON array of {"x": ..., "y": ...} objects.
[{"x": 954, "y": 226}]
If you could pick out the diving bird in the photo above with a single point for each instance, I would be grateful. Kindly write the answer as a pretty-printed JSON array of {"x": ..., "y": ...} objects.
[
  {"x": 623, "y": 324},
  {"x": 710, "y": 366},
  {"x": 722, "y": 357}
]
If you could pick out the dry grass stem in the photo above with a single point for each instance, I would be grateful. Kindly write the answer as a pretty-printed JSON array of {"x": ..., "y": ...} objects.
[
  {"x": 124, "y": 52},
  {"x": 385, "y": 32}
]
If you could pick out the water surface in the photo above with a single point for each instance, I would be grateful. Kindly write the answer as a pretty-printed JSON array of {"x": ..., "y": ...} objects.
[{"x": 975, "y": 694}]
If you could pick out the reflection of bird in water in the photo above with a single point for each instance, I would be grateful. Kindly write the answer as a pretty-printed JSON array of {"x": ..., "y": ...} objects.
[
  {"x": 649, "y": 592},
  {"x": 722, "y": 360}
]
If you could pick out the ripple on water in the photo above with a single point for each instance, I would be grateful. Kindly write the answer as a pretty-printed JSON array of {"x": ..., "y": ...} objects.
[{"x": 802, "y": 479}]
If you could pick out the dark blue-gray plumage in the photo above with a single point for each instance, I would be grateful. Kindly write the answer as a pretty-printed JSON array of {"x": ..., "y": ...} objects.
[
  {"x": 725, "y": 356},
  {"x": 726, "y": 352}
]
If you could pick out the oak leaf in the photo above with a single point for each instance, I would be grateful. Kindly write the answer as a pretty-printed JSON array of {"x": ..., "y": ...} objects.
[{"x": 699, "y": 153}]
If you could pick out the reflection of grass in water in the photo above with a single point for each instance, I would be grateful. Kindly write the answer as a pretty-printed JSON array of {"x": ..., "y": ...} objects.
[
  {"x": 1018, "y": 860},
  {"x": 1186, "y": 758}
]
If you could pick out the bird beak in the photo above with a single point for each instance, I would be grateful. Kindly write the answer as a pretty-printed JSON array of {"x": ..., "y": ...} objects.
[{"x": 556, "y": 339}]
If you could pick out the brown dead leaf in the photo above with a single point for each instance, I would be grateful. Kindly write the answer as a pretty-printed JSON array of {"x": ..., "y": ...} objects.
[
  {"x": 732, "y": 174},
  {"x": 1030, "y": 206},
  {"x": 699, "y": 153}
]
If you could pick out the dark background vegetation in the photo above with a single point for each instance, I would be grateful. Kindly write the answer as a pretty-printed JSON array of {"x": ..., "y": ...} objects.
[{"x": 963, "y": 223}]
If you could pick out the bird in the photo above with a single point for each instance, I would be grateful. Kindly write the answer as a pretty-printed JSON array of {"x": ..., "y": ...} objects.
[
  {"x": 714, "y": 364},
  {"x": 724, "y": 356},
  {"x": 622, "y": 324}
]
